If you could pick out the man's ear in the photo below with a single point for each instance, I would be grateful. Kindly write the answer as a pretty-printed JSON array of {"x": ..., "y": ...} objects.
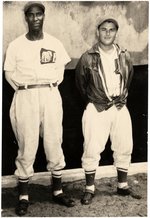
[
  {"x": 116, "y": 37},
  {"x": 25, "y": 18},
  {"x": 97, "y": 33}
]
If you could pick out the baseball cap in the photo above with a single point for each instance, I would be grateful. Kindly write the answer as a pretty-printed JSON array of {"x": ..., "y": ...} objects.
[
  {"x": 100, "y": 21},
  {"x": 33, "y": 3}
]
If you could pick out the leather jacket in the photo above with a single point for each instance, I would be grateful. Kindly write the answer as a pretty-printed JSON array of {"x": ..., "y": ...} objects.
[{"x": 91, "y": 82}]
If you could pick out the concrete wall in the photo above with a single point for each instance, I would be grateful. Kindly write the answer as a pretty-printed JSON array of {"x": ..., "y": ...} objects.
[{"x": 74, "y": 24}]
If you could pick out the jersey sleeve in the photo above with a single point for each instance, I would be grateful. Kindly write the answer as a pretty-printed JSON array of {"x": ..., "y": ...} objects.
[
  {"x": 10, "y": 59},
  {"x": 63, "y": 56}
]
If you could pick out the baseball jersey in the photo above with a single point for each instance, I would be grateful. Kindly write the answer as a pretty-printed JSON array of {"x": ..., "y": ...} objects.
[
  {"x": 112, "y": 79},
  {"x": 36, "y": 62}
]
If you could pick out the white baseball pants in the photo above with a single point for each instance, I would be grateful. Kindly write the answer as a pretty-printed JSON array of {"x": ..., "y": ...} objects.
[
  {"x": 33, "y": 112},
  {"x": 97, "y": 126}
]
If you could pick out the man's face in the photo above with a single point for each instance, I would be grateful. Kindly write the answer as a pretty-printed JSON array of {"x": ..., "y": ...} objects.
[
  {"x": 35, "y": 17},
  {"x": 107, "y": 33}
]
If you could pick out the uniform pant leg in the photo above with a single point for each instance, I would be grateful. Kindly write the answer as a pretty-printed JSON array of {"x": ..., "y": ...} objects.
[
  {"x": 24, "y": 115},
  {"x": 121, "y": 137},
  {"x": 96, "y": 127},
  {"x": 52, "y": 129}
]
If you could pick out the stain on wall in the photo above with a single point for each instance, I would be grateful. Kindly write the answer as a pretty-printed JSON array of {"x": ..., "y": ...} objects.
[{"x": 74, "y": 23}]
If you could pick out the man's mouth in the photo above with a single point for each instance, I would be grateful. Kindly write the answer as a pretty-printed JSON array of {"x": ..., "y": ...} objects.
[{"x": 36, "y": 24}]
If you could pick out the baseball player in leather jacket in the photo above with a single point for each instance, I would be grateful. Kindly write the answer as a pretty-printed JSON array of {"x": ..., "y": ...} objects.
[{"x": 103, "y": 76}]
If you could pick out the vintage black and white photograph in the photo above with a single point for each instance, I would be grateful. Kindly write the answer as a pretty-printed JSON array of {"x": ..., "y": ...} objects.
[{"x": 74, "y": 109}]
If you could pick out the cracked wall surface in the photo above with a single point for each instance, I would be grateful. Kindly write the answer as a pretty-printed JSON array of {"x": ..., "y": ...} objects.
[{"x": 74, "y": 23}]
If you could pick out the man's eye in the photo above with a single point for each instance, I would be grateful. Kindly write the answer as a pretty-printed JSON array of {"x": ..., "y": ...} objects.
[
  {"x": 113, "y": 30},
  {"x": 39, "y": 14},
  {"x": 30, "y": 15}
]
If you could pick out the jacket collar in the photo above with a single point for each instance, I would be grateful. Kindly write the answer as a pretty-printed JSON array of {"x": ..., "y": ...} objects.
[{"x": 95, "y": 49}]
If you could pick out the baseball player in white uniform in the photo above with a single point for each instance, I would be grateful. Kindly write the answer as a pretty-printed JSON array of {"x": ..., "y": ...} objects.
[
  {"x": 34, "y": 67},
  {"x": 103, "y": 76}
]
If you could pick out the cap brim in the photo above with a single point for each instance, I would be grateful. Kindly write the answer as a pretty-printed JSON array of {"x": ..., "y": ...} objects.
[
  {"x": 101, "y": 21},
  {"x": 28, "y": 6}
]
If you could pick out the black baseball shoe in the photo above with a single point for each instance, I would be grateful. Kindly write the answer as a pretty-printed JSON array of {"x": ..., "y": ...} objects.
[
  {"x": 63, "y": 199},
  {"x": 87, "y": 198},
  {"x": 22, "y": 207},
  {"x": 128, "y": 191}
]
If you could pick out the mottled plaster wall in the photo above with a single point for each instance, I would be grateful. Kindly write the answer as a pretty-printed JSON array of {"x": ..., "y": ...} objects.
[{"x": 74, "y": 24}]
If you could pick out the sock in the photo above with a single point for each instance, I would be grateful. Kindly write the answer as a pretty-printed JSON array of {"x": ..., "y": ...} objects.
[
  {"x": 56, "y": 182},
  {"x": 90, "y": 177},
  {"x": 122, "y": 175},
  {"x": 91, "y": 188},
  {"x": 122, "y": 185},
  {"x": 25, "y": 197},
  {"x": 23, "y": 186},
  {"x": 58, "y": 192}
]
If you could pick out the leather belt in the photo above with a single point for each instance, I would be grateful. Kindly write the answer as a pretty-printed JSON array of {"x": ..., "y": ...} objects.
[{"x": 32, "y": 86}]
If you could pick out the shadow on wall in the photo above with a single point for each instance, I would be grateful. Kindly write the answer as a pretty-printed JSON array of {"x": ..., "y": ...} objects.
[{"x": 72, "y": 129}]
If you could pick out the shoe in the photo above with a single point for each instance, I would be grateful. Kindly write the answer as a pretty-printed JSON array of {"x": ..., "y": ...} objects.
[
  {"x": 128, "y": 191},
  {"x": 62, "y": 199},
  {"x": 22, "y": 207},
  {"x": 87, "y": 198}
]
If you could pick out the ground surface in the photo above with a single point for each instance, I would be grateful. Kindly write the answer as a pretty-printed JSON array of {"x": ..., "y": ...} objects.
[{"x": 105, "y": 203}]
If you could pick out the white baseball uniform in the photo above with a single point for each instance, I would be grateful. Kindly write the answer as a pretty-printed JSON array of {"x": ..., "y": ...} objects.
[{"x": 37, "y": 111}]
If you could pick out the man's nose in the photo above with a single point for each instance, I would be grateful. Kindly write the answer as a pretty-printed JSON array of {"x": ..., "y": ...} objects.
[
  {"x": 35, "y": 17},
  {"x": 107, "y": 32}
]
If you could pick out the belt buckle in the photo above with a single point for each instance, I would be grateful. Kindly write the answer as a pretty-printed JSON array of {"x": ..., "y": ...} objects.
[{"x": 55, "y": 84}]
